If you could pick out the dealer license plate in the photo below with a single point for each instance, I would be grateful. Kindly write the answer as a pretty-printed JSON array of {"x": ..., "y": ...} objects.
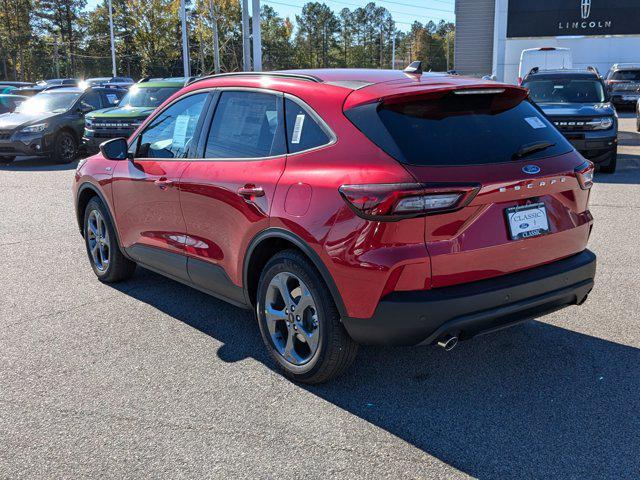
[
  {"x": 527, "y": 221},
  {"x": 630, "y": 98}
]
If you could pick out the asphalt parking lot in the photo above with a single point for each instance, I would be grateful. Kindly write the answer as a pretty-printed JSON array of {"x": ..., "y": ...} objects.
[{"x": 152, "y": 379}]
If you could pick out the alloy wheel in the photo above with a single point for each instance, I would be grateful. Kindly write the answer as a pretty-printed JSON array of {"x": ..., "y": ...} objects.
[
  {"x": 291, "y": 317},
  {"x": 98, "y": 240},
  {"x": 67, "y": 148}
]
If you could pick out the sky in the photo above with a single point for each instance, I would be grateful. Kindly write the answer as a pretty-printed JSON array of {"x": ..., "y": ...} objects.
[{"x": 404, "y": 12}]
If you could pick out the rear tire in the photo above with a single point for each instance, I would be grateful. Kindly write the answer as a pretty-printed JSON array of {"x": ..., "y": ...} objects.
[
  {"x": 65, "y": 148},
  {"x": 100, "y": 239},
  {"x": 613, "y": 162},
  {"x": 309, "y": 345}
]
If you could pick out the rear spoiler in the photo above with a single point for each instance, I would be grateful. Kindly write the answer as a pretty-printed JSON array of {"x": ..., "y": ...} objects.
[{"x": 389, "y": 94}]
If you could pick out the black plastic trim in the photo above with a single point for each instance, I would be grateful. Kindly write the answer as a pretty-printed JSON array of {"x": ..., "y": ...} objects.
[
  {"x": 80, "y": 215},
  {"x": 208, "y": 278},
  {"x": 274, "y": 232},
  {"x": 467, "y": 310},
  {"x": 212, "y": 278}
]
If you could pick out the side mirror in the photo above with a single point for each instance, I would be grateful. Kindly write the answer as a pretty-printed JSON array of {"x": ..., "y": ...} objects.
[
  {"x": 115, "y": 149},
  {"x": 84, "y": 108}
]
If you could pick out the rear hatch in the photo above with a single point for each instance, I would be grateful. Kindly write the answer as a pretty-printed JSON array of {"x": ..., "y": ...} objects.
[
  {"x": 529, "y": 207},
  {"x": 625, "y": 82}
]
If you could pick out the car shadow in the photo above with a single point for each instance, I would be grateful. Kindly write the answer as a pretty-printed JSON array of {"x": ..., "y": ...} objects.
[
  {"x": 534, "y": 401},
  {"x": 35, "y": 164},
  {"x": 627, "y": 171}
]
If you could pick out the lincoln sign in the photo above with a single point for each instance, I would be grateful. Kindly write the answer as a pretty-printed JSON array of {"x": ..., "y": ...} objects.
[{"x": 555, "y": 18}]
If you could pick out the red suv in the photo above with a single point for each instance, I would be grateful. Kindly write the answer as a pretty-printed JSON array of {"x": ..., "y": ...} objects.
[{"x": 348, "y": 207}]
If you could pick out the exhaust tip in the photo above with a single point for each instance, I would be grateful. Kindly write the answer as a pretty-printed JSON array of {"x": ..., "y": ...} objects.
[{"x": 448, "y": 343}]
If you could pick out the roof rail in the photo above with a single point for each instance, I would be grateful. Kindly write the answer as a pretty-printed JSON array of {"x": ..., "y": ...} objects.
[{"x": 296, "y": 76}]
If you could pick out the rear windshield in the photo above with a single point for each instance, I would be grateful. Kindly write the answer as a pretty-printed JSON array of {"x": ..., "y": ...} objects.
[
  {"x": 629, "y": 75},
  {"x": 458, "y": 130},
  {"x": 565, "y": 90}
]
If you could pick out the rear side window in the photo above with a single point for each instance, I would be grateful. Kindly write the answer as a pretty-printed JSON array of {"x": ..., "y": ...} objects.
[
  {"x": 303, "y": 132},
  {"x": 458, "y": 130},
  {"x": 628, "y": 75},
  {"x": 246, "y": 125}
]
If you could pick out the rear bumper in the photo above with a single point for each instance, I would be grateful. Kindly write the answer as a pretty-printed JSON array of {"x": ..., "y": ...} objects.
[
  {"x": 622, "y": 98},
  {"x": 422, "y": 317}
]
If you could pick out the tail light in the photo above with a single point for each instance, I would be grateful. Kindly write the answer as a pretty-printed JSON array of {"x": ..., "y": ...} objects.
[
  {"x": 584, "y": 174},
  {"x": 396, "y": 201}
]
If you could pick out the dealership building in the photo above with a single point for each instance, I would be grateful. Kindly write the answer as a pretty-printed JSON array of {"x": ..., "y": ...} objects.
[{"x": 491, "y": 34}]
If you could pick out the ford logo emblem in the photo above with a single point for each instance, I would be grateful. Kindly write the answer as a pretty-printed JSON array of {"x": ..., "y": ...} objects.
[
  {"x": 523, "y": 226},
  {"x": 531, "y": 169}
]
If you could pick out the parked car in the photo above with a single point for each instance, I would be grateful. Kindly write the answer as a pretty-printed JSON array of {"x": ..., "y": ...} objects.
[
  {"x": 577, "y": 103},
  {"x": 347, "y": 207},
  {"x": 623, "y": 83},
  {"x": 7, "y": 86},
  {"x": 50, "y": 123},
  {"x": 545, "y": 58},
  {"x": 43, "y": 85},
  {"x": 121, "y": 120},
  {"x": 8, "y": 102},
  {"x": 121, "y": 82},
  {"x": 638, "y": 115}
]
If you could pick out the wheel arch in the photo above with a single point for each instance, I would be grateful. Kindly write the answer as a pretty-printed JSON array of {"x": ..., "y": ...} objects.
[
  {"x": 271, "y": 241},
  {"x": 86, "y": 192}
]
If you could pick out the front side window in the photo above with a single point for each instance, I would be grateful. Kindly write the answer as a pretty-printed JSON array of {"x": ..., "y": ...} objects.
[
  {"x": 92, "y": 101},
  {"x": 565, "y": 90},
  {"x": 303, "y": 132},
  {"x": 170, "y": 133},
  {"x": 246, "y": 125}
]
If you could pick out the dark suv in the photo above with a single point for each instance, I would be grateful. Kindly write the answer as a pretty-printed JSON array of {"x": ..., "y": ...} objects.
[
  {"x": 51, "y": 123},
  {"x": 121, "y": 120},
  {"x": 623, "y": 83},
  {"x": 346, "y": 207},
  {"x": 577, "y": 103}
]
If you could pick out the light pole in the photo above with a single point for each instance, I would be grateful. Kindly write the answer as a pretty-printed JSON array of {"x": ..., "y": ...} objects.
[
  {"x": 216, "y": 45},
  {"x": 257, "y": 37},
  {"x": 246, "y": 43},
  {"x": 185, "y": 40},
  {"x": 113, "y": 42}
]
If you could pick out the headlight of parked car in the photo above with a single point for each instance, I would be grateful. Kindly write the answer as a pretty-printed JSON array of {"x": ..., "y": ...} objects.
[
  {"x": 39, "y": 127},
  {"x": 603, "y": 123},
  {"x": 88, "y": 122}
]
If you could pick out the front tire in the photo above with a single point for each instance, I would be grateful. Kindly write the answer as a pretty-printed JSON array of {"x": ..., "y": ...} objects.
[
  {"x": 613, "y": 162},
  {"x": 100, "y": 238},
  {"x": 299, "y": 322},
  {"x": 65, "y": 148}
]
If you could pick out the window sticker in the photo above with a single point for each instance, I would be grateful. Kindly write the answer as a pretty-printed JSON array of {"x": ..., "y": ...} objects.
[
  {"x": 113, "y": 99},
  {"x": 297, "y": 128},
  {"x": 180, "y": 130},
  {"x": 535, "y": 122}
]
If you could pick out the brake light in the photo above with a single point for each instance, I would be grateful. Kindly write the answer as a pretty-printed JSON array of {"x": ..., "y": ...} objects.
[
  {"x": 392, "y": 202},
  {"x": 584, "y": 174}
]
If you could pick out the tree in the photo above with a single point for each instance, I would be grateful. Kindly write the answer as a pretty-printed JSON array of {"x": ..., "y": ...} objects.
[
  {"x": 61, "y": 18},
  {"x": 316, "y": 36}
]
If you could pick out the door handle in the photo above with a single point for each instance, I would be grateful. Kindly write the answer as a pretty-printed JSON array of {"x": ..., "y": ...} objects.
[
  {"x": 163, "y": 183},
  {"x": 250, "y": 191}
]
